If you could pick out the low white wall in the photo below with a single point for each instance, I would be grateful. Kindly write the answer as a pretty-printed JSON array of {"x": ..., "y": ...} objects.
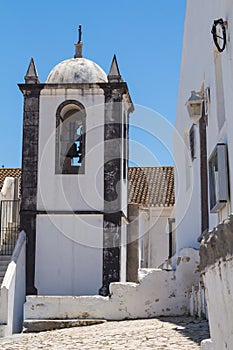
[
  {"x": 206, "y": 344},
  {"x": 13, "y": 290},
  {"x": 198, "y": 306},
  {"x": 218, "y": 281},
  {"x": 159, "y": 293}
]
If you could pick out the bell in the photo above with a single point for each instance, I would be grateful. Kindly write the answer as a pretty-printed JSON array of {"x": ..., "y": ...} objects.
[
  {"x": 73, "y": 152},
  {"x": 80, "y": 147}
]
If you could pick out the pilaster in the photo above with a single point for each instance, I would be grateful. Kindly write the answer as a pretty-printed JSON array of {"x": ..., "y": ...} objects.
[{"x": 29, "y": 177}]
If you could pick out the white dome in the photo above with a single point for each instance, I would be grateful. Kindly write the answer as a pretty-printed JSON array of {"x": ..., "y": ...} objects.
[{"x": 77, "y": 70}]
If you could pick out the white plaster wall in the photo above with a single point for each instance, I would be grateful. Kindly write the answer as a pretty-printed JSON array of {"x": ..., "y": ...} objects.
[
  {"x": 219, "y": 292},
  {"x": 143, "y": 222},
  {"x": 124, "y": 195},
  {"x": 197, "y": 66},
  {"x": 158, "y": 293},
  {"x": 69, "y": 256},
  {"x": 69, "y": 192},
  {"x": 123, "y": 250},
  {"x": 13, "y": 290},
  {"x": 159, "y": 236}
]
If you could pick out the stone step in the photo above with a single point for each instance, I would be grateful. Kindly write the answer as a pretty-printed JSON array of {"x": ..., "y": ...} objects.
[
  {"x": 4, "y": 262},
  {"x": 3, "y": 269},
  {"x": 30, "y": 326},
  {"x": 2, "y": 274},
  {"x": 5, "y": 258}
]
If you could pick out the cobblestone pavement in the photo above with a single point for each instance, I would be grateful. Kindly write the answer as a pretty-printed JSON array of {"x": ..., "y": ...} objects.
[{"x": 173, "y": 333}]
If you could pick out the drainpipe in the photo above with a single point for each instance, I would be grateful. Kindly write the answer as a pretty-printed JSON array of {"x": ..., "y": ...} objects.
[{"x": 203, "y": 176}]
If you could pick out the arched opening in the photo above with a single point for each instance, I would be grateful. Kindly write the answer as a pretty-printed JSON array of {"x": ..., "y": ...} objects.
[{"x": 70, "y": 138}]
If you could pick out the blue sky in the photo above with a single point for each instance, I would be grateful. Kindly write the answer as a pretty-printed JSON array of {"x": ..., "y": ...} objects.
[{"x": 146, "y": 37}]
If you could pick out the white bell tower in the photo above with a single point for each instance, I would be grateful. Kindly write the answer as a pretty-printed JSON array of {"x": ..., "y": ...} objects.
[{"x": 74, "y": 177}]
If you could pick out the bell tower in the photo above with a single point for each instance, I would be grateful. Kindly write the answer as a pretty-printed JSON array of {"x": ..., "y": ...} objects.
[{"x": 74, "y": 177}]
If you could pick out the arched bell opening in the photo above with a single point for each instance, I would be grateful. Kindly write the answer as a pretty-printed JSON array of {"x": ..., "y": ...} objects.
[{"x": 70, "y": 138}]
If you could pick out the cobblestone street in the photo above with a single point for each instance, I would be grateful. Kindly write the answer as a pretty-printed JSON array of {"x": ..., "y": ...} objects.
[{"x": 173, "y": 333}]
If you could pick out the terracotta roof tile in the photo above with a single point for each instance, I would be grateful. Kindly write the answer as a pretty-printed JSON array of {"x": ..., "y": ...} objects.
[
  {"x": 148, "y": 186},
  {"x": 9, "y": 172},
  {"x": 151, "y": 186}
]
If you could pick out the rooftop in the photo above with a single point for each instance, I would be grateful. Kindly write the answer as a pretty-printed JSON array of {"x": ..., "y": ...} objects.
[
  {"x": 77, "y": 70},
  {"x": 148, "y": 186},
  {"x": 151, "y": 186}
]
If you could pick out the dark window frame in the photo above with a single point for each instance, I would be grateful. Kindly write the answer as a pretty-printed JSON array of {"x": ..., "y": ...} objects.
[
  {"x": 218, "y": 178},
  {"x": 192, "y": 141}
]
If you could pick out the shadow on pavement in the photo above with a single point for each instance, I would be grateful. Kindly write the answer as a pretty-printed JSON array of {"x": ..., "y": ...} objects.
[{"x": 192, "y": 328}]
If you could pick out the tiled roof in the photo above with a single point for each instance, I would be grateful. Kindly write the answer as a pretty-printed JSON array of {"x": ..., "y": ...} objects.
[
  {"x": 151, "y": 186},
  {"x": 148, "y": 186},
  {"x": 9, "y": 172}
]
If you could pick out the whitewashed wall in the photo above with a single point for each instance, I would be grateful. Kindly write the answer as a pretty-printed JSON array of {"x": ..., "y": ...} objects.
[
  {"x": 12, "y": 292},
  {"x": 123, "y": 250},
  {"x": 219, "y": 282},
  {"x": 154, "y": 235},
  {"x": 158, "y": 293},
  {"x": 198, "y": 65},
  {"x": 69, "y": 192},
  {"x": 69, "y": 255},
  {"x": 159, "y": 235},
  {"x": 201, "y": 62}
]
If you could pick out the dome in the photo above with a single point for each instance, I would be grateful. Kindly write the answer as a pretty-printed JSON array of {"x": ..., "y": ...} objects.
[{"x": 77, "y": 70}]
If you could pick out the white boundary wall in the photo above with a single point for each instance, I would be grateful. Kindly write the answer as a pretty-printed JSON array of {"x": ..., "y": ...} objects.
[
  {"x": 159, "y": 293},
  {"x": 13, "y": 291}
]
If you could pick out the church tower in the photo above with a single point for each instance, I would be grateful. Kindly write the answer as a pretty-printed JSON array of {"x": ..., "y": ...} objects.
[{"x": 74, "y": 177}]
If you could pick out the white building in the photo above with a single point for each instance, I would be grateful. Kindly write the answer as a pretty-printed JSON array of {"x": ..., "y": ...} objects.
[
  {"x": 151, "y": 216},
  {"x": 74, "y": 170},
  {"x": 80, "y": 237},
  {"x": 204, "y": 154}
]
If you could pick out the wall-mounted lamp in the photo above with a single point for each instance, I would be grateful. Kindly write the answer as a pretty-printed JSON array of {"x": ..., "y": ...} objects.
[{"x": 197, "y": 104}]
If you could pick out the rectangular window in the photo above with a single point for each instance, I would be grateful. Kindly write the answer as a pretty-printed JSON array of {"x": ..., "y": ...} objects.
[
  {"x": 218, "y": 178},
  {"x": 192, "y": 142},
  {"x": 172, "y": 237}
]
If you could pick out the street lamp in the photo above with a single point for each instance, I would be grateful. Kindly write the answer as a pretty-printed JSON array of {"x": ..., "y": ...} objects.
[{"x": 195, "y": 106}]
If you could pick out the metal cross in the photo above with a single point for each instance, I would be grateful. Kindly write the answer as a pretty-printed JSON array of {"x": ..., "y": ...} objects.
[{"x": 79, "y": 34}]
